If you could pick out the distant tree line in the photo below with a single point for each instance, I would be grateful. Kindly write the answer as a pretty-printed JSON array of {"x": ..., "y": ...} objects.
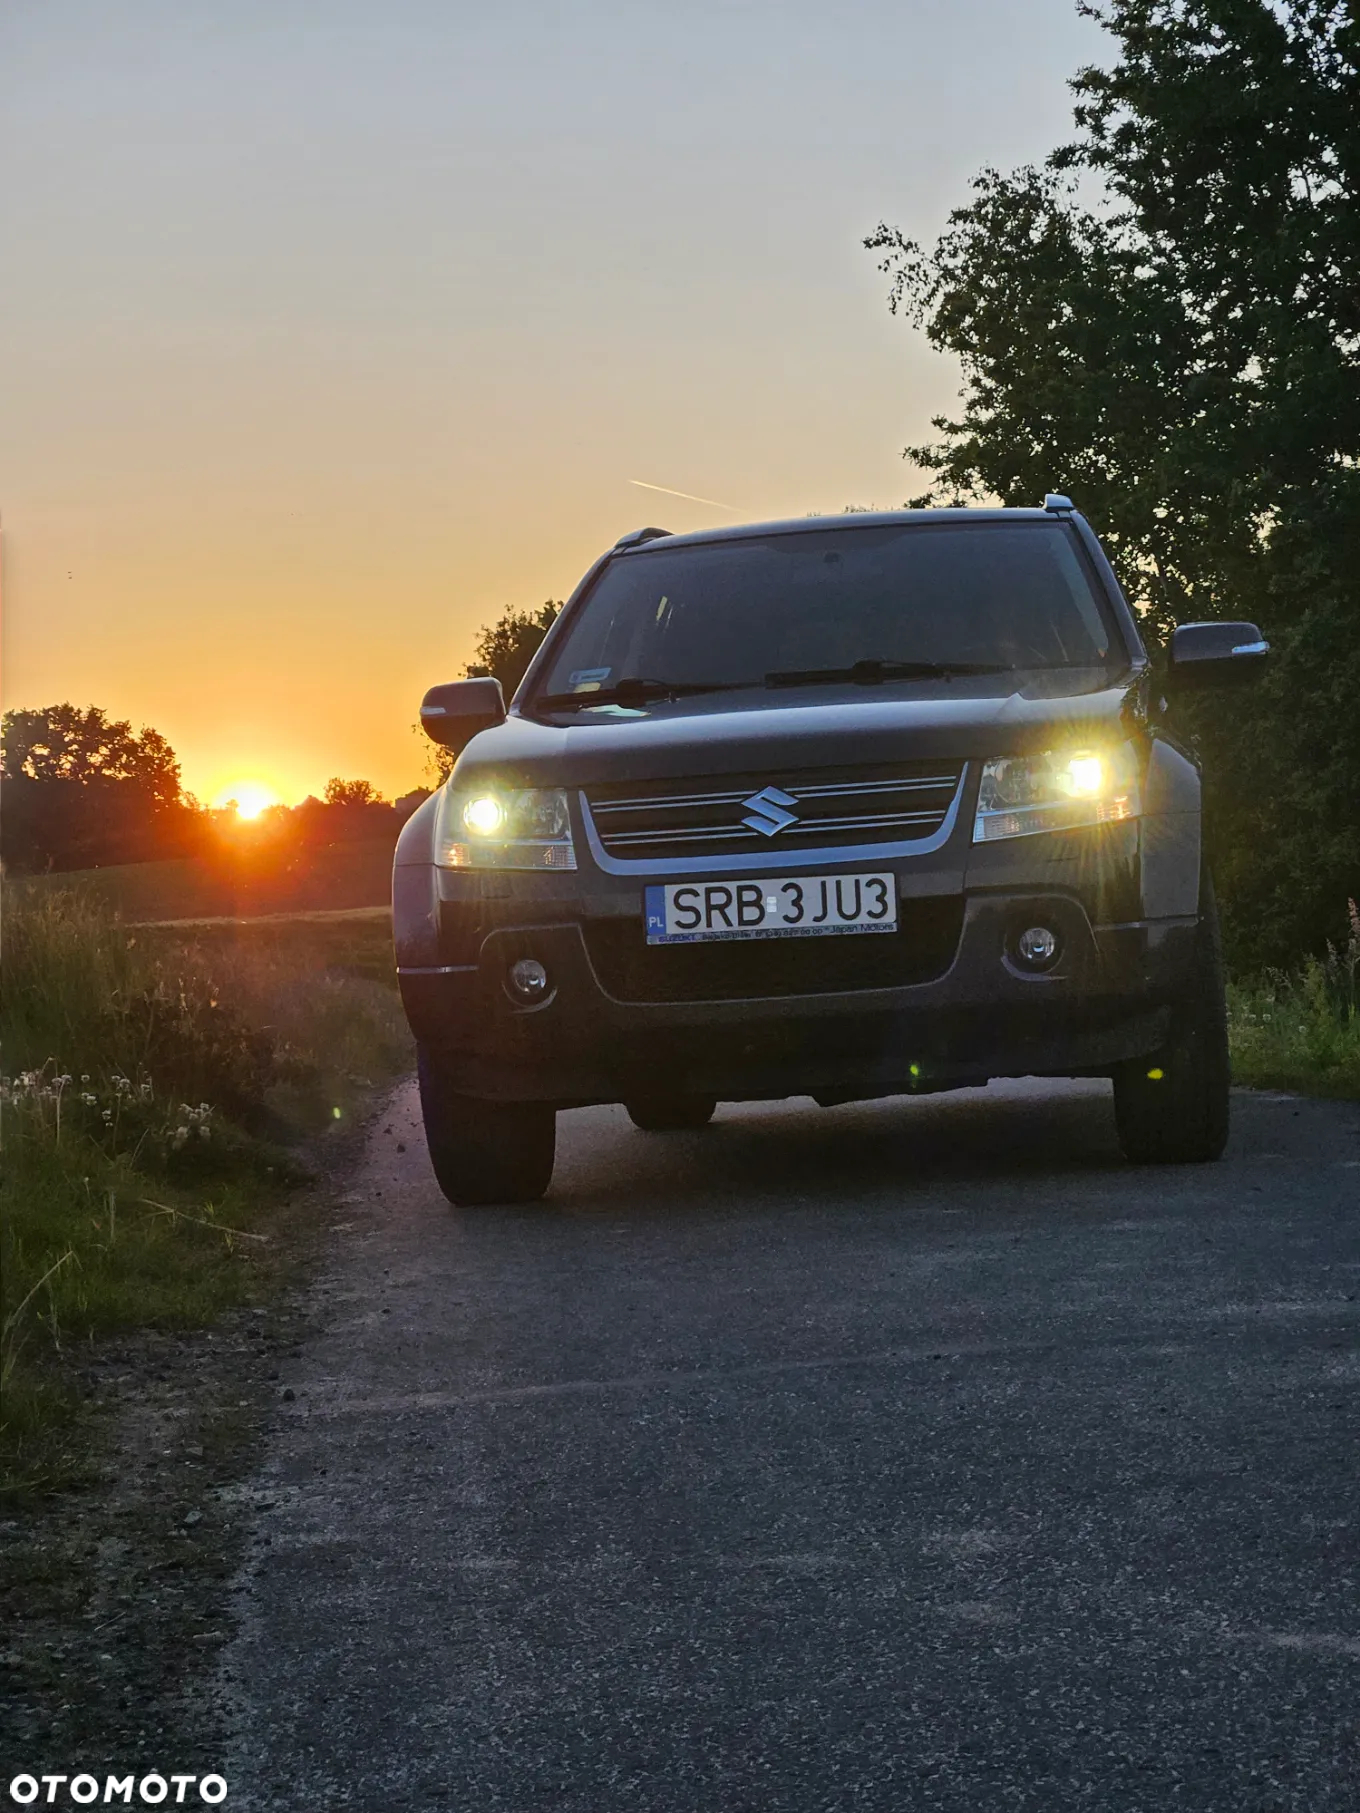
[
  {"x": 1164, "y": 321},
  {"x": 82, "y": 791}
]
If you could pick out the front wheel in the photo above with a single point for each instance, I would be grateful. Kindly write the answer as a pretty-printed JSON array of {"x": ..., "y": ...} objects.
[
  {"x": 484, "y": 1152},
  {"x": 671, "y": 1113},
  {"x": 1171, "y": 1108}
]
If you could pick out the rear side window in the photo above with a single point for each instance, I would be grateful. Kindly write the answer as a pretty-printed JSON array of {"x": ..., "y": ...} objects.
[{"x": 1012, "y": 594}]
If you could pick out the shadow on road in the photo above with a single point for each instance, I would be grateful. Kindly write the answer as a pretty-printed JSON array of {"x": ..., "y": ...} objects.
[{"x": 886, "y": 1150}]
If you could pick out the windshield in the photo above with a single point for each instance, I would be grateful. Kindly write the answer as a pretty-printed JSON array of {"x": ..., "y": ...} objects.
[{"x": 810, "y": 607}]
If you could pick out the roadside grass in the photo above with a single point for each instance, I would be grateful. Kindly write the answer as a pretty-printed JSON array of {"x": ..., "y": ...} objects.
[
  {"x": 158, "y": 1081},
  {"x": 320, "y": 991},
  {"x": 1302, "y": 1030}
]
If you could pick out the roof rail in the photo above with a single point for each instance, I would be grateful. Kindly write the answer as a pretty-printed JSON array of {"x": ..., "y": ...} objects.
[
  {"x": 1058, "y": 505},
  {"x": 638, "y": 536}
]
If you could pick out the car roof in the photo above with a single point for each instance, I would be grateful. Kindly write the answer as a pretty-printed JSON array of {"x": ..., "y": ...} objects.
[{"x": 851, "y": 519}]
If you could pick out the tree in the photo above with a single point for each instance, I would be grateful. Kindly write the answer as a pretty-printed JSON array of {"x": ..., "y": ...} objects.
[
  {"x": 1164, "y": 321},
  {"x": 352, "y": 793},
  {"x": 407, "y": 803},
  {"x": 505, "y": 648},
  {"x": 438, "y": 760},
  {"x": 503, "y": 651},
  {"x": 81, "y": 789},
  {"x": 64, "y": 743}
]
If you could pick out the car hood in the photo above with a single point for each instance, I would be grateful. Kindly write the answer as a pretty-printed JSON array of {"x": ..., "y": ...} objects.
[{"x": 984, "y": 715}]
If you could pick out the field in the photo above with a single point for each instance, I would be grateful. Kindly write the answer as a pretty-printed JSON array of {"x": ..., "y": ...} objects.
[
  {"x": 162, "y": 1083},
  {"x": 246, "y": 880}
]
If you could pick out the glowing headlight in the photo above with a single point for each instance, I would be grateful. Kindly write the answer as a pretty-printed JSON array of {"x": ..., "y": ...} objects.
[
  {"x": 484, "y": 815},
  {"x": 504, "y": 828},
  {"x": 1056, "y": 791},
  {"x": 1085, "y": 775}
]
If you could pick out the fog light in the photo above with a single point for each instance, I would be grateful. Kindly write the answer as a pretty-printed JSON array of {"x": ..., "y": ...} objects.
[
  {"x": 527, "y": 979},
  {"x": 1037, "y": 947}
]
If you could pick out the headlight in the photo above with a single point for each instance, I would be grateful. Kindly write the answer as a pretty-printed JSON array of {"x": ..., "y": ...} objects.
[
  {"x": 483, "y": 816},
  {"x": 504, "y": 828},
  {"x": 1021, "y": 794}
]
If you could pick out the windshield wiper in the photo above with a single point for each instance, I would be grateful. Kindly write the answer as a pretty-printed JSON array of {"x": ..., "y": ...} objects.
[
  {"x": 635, "y": 690},
  {"x": 638, "y": 689},
  {"x": 874, "y": 673}
]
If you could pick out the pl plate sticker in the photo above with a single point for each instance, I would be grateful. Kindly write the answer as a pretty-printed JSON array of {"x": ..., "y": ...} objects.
[{"x": 588, "y": 679}]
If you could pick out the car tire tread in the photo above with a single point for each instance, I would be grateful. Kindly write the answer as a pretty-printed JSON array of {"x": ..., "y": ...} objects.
[
  {"x": 484, "y": 1152},
  {"x": 1171, "y": 1106}
]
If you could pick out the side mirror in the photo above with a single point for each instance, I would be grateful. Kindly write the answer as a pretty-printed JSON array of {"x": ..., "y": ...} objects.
[
  {"x": 1214, "y": 654},
  {"x": 453, "y": 714}
]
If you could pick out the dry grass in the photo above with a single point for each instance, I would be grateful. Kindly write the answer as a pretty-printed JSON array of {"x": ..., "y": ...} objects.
[{"x": 158, "y": 1082}]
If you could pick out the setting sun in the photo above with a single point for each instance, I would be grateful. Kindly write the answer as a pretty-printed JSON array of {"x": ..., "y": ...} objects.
[{"x": 250, "y": 798}]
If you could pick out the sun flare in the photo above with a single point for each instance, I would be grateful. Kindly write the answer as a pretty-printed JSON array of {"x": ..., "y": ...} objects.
[{"x": 250, "y": 798}]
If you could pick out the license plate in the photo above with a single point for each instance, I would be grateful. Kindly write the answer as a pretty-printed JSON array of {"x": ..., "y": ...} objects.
[{"x": 795, "y": 906}]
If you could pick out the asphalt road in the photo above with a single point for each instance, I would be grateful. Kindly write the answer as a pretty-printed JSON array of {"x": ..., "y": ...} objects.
[{"x": 908, "y": 1455}]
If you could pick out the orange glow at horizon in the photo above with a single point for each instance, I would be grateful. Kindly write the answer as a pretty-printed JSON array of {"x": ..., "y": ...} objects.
[{"x": 250, "y": 798}]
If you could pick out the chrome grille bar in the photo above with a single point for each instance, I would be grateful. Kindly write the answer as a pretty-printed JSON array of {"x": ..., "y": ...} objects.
[
  {"x": 694, "y": 831},
  {"x": 615, "y": 840},
  {"x": 678, "y": 802}
]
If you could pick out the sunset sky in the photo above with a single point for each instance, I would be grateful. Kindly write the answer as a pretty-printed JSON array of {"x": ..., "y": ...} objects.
[{"x": 330, "y": 329}]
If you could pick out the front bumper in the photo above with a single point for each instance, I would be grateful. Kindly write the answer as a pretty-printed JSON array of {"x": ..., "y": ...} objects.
[{"x": 1108, "y": 998}]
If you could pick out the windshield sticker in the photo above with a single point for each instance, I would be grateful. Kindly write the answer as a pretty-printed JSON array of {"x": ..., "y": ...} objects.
[
  {"x": 588, "y": 679},
  {"x": 613, "y": 711},
  {"x": 661, "y": 607}
]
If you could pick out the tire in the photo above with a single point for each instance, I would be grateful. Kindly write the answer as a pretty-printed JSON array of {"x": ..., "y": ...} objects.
[
  {"x": 1171, "y": 1107},
  {"x": 671, "y": 1113},
  {"x": 484, "y": 1152}
]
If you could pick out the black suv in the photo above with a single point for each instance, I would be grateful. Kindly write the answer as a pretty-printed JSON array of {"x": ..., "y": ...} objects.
[{"x": 842, "y": 807}]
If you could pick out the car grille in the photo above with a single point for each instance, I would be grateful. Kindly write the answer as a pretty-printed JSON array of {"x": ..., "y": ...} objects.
[
  {"x": 835, "y": 808},
  {"x": 746, "y": 969}
]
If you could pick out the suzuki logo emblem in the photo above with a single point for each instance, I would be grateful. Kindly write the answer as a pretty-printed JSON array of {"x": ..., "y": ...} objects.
[{"x": 767, "y": 811}]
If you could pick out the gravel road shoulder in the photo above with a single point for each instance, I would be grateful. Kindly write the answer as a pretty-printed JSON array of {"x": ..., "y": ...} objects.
[{"x": 115, "y": 1600}]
